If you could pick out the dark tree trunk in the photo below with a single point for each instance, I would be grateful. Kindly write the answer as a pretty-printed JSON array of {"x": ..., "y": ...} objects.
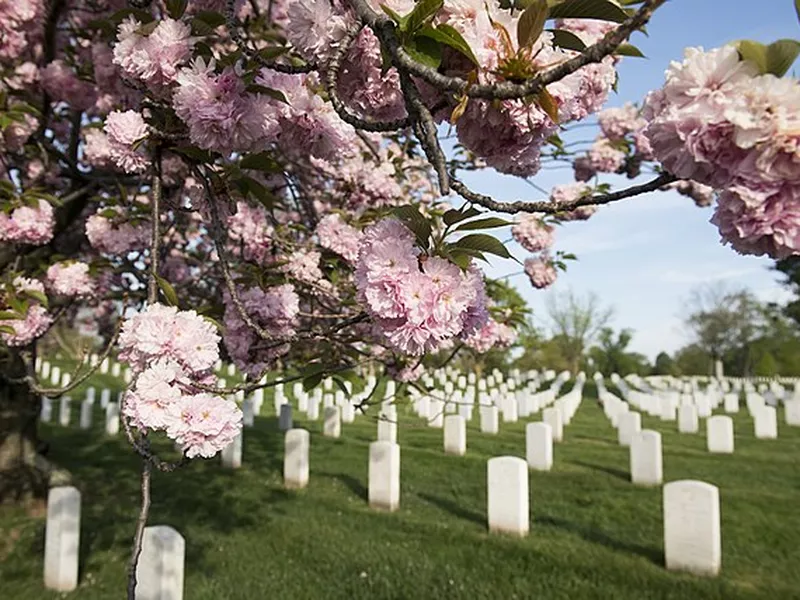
[{"x": 24, "y": 472}]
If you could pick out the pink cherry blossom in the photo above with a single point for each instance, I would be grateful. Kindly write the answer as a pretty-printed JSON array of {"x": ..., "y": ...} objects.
[
  {"x": 204, "y": 424},
  {"x": 336, "y": 235},
  {"x": 36, "y": 321},
  {"x": 532, "y": 233},
  {"x": 70, "y": 279},
  {"x": 541, "y": 272},
  {"x": 124, "y": 130},
  {"x": 28, "y": 225}
]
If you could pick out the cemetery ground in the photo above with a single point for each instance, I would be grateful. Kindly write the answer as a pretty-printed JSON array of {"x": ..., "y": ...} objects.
[{"x": 593, "y": 534}]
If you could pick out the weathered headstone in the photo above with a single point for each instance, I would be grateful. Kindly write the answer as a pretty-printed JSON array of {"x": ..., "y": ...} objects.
[
  {"x": 792, "y": 413},
  {"x": 295, "y": 458},
  {"x": 332, "y": 425},
  {"x": 232, "y": 453},
  {"x": 719, "y": 434},
  {"x": 646, "y": 460},
  {"x": 731, "y": 402},
  {"x": 348, "y": 412},
  {"x": 62, "y": 539},
  {"x": 313, "y": 408},
  {"x": 507, "y": 495},
  {"x": 285, "y": 418},
  {"x": 159, "y": 574},
  {"x": 630, "y": 424},
  {"x": 692, "y": 533},
  {"x": 539, "y": 446},
  {"x": 688, "y": 421},
  {"x": 455, "y": 435},
  {"x": 384, "y": 475},
  {"x": 552, "y": 416}
]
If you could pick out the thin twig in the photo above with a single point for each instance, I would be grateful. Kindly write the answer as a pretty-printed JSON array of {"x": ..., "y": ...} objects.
[{"x": 140, "y": 525}]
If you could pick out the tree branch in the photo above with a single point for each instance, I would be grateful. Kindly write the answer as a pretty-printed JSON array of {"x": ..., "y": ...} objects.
[{"x": 548, "y": 207}]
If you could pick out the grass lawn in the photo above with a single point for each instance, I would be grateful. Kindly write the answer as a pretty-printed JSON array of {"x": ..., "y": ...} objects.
[{"x": 593, "y": 534}]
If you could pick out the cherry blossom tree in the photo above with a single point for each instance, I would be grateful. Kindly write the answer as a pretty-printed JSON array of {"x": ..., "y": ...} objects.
[{"x": 264, "y": 180}]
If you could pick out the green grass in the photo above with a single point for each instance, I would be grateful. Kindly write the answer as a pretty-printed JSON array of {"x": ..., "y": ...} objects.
[{"x": 593, "y": 534}]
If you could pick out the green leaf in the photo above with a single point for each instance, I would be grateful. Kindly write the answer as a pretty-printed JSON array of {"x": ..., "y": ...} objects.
[
  {"x": 176, "y": 8},
  {"x": 531, "y": 23},
  {"x": 261, "y": 161},
  {"x": 453, "y": 216},
  {"x": 567, "y": 40},
  {"x": 254, "y": 88},
  {"x": 340, "y": 384},
  {"x": 212, "y": 18},
  {"x": 781, "y": 55},
  {"x": 415, "y": 221},
  {"x": 450, "y": 36},
  {"x": 604, "y": 10},
  {"x": 312, "y": 381},
  {"x": 195, "y": 154},
  {"x": 629, "y": 50},
  {"x": 137, "y": 13},
  {"x": 8, "y": 329},
  {"x": 213, "y": 321},
  {"x": 425, "y": 51},
  {"x": 755, "y": 52},
  {"x": 423, "y": 13},
  {"x": 169, "y": 292},
  {"x": 40, "y": 297},
  {"x": 797, "y": 8},
  {"x": 402, "y": 22},
  {"x": 10, "y": 315},
  {"x": 487, "y": 223},
  {"x": 482, "y": 243}
]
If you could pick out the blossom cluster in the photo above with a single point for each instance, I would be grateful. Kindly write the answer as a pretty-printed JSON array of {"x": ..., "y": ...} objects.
[
  {"x": 493, "y": 334},
  {"x": 28, "y": 224},
  {"x": 124, "y": 130},
  {"x": 70, "y": 278},
  {"x": 541, "y": 271},
  {"x": 172, "y": 351},
  {"x": 36, "y": 321},
  {"x": 339, "y": 237},
  {"x": 275, "y": 311},
  {"x": 115, "y": 236},
  {"x": 720, "y": 123},
  {"x": 418, "y": 303},
  {"x": 250, "y": 232}
]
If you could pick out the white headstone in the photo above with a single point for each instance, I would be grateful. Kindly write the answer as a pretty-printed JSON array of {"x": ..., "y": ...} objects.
[
  {"x": 384, "y": 475},
  {"x": 646, "y": 461},
  {"x": 348, "y": 412},
  {"x": 552, "y": 416},
  {"x": 455, "y": 435},
  {"x": 507, "y": 495},
  {"x": 387, "y": 430},
  {"x": 105, "y": 398},
  {"x": 490, "y": 419},
  {"x": 692, "y": 533},
  {"x": 731, "y": 402},
  {"x": 62, "y": 539},
  {"x": 248, "y": 412},
  {"x": 64, "y": 411},
  {"x": 510, "y": 409},
  {"x": 232, "y": 453},
  {"x": 86, "y": 414},
  {"x": 332, "y": 426},
  {"x": 116, "y": 369},
  {"x": 792, "y": 413},
  {"x": 765, "y": 420},
  {"x": 112, "y": 418},
  {"x": 285, "y": 418},
  {"x": 55, "y": 376},
  {"x": 313, "y": 408},
  {"x": 231, "y": 370},
  {"x": 539, "y": 446},
  {"x": 630, "y": 423},
  {"x": 159, "y": 574},
  {"x": 46, "y": 413},
  {"x": 295, "y": 458},
  {"x": 688, "y": 421},
  {"x": 719, "y": 434},
  {"x": 436, "y": 413}
]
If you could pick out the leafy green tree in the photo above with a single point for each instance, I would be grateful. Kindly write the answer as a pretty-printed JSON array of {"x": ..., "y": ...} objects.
[
  {"x": 665, "y": 365},
  {"x": 611, "y": 354}
]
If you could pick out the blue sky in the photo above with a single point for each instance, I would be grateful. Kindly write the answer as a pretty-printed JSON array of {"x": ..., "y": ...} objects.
[{"x": 643, "y": 256}]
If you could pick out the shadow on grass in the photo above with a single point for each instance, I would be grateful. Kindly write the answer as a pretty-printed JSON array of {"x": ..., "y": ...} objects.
[
  {"x": 619, "y": 473},
  {"x": 454, "y": 509},
  {"x": 351, "y": 483},
  {"x": 654, "y": 555}
]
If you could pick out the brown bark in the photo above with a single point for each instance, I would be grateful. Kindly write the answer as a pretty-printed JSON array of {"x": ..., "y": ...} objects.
[{"x": 24, "y": 472}]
